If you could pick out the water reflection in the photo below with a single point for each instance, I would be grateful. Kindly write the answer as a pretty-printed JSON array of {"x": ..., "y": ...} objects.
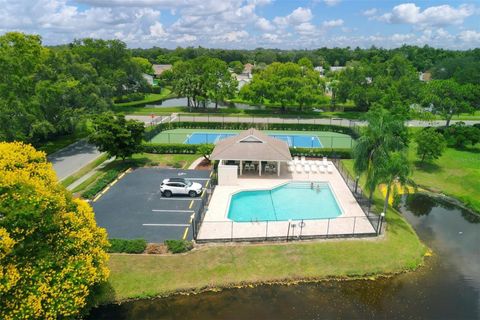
[{"x": 448, "y": 288}]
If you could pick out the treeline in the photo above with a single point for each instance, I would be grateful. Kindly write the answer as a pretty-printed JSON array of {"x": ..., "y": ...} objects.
[
  {"x": 422, "y": 58},
  {"x": 47, "y": 92}
]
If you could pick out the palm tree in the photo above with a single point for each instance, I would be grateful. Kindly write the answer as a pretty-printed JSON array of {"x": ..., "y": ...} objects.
[
  {"x": 385, "y": 133},
  {"x": 394, "y": 172}
]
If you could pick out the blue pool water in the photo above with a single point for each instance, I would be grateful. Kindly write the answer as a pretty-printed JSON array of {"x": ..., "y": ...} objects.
[
  {"x": 293, "y": 140},
  {"x": 294, "y": 200}
]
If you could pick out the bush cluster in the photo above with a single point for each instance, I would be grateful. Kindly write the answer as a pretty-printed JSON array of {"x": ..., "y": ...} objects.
[
  {"x": 178, "y": 246},
  {"x": 136, "y": 96},
  {"x": 127, "y": 245},
  {"x": 460, "y": 135}
]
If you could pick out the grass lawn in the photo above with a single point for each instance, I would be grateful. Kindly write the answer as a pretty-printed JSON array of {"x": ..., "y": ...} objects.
[
  {"x": 327, "y": 138},
  {"x": 141, "y": 160},
  {"x": 149, "y": 98},
  {"x": 456, "y": 173},
  {"x": 140, "y": 276}
]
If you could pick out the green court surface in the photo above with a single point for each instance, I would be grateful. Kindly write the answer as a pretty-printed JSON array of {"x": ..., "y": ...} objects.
[{"x": 328, "y": 139}]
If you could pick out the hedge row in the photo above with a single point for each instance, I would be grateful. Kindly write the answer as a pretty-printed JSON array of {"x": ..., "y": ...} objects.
[
  {"x": 167, "y": 148},
  {"x": 170, "y": 148},
  {"x": 178, "y": 246},
  {"x": 127, "y": 246},
  {"x": 330, "y": 153},
  {"x": 101, "y": 183},
  {"x": 261, "y": 126}
]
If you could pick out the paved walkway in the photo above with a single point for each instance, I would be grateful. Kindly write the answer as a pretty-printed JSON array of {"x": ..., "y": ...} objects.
[
  {"x": 325, "y": 121},
  {"x": 72, "y": 158},
  {"x": 89, "y": 174}
]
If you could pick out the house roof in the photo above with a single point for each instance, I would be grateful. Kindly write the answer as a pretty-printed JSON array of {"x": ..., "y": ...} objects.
[
  {"x": 251, "y": 144},
  {"x": 247, "y": 68},
  {"x": 158, "y": 69}
]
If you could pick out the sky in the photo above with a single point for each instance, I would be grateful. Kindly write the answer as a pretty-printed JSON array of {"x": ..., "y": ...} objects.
[{"x": 248, "y": 24}]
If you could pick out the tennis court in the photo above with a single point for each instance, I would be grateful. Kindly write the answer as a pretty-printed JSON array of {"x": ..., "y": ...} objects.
[
  {"x": 300, "y": 139},
  {"x": 293, "y": 140}
]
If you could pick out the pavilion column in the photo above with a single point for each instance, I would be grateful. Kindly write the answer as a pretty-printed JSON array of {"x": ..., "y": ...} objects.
[
  {"x": 278, "y": 168},
  {"x": 260, "y": 168},
  {"x": 241, "y": 167}
]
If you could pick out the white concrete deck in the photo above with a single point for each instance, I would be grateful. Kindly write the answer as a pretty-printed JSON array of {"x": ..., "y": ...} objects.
[{"x": 216, "y": 225}]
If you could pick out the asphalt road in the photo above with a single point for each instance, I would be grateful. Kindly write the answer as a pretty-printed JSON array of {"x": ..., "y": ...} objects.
[
  {"x": 134, "y": 207},
  {"x": 72, "y": 158}
]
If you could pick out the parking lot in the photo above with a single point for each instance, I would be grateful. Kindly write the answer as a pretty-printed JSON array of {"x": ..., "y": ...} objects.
[{"x": 134, "y": 207}]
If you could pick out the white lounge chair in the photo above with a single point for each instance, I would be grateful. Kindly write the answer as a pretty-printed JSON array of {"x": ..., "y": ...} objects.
[
  {"x": 325, "y": 161},
  {"x": 291, "y": 163},
  {"x": 291, "y": 169},
  {"x": 329, "y": 168},
  {"x": 314, "y": 168},
  {"x": 306, "y": 168},
  {"x": 299, "y": 168},
  {"x": 295, "y": 159},
  {"x": 318, "y": 163},
  {"x": 303, "y": 159},
  {"x": 322, "y": 168}
]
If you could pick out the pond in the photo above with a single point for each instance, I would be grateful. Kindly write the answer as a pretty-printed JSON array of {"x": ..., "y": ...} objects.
[
  {"x": 447, "y": 288},
  {"x": 182, "y": 102}
]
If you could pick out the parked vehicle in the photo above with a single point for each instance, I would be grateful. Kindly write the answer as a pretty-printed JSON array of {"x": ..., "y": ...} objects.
[{"x": 180, "y": 186}]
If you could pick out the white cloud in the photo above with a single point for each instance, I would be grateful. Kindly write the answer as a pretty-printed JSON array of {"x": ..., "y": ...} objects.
[
  {"x": 233, "y": 36},
  {"x": 305, "y": 28},
  {"x": 271, "y": 38},
  {"x": 157, "y": 31},
  {"x": 444, "y": 15},
  {"x": 370, "y": 12},
  {"x": 185, "y": 38},
  {"x": 470, "y": 36},
  {"x": 333, "y": 23},
  {"x": 264, "y": 24},
  {"x": 332, "y": 3},
  {"x": 298, "y": 16}
]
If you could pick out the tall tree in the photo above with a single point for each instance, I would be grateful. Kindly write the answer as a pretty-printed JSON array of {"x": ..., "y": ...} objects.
[
  {"x": 394, "y": 171},
  {"x": 52, "y": 253},
  {"x": 385, "y": 133},
  {"x": 447, "y": 98},
  {"x": 430, "y": 144},
  {"x": 116, "y": 135}
]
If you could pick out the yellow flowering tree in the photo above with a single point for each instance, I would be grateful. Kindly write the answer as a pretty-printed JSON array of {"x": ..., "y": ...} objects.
[{"x": 51, "y": 250}]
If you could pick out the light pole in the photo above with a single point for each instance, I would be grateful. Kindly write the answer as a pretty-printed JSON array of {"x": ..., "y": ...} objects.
[
  {"x": 382, "y": 216},
  {"x": 356, "y": 183}
]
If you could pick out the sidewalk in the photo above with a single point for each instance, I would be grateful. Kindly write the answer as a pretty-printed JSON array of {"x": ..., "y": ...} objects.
[{"x": 89, "y": 174}]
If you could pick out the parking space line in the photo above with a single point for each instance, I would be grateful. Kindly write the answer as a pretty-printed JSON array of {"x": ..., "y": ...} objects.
[
  {"x": 165, "y": 225},
  {"x": 162, "y": 210},
  {"x": 206, "y": 184},
  {"x": 186, "y": 229},
  {"x": 111, "y": 184},
  {"x": 191, "y": 204},
  {"x": 211, "y": 173}
]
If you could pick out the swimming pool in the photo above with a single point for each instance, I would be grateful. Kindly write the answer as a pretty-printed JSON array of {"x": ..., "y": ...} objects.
[
  {"x": 293, "y": 140},
  {"x": 293, "y": 200}
]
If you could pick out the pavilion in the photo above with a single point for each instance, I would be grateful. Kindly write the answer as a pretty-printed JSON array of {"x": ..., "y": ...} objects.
[{"x": 251, "y": 151}]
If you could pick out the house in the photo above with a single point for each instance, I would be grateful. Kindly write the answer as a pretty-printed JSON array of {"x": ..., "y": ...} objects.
[
  {"x": 319, "y": 69},
  {"x": 158, "y": 69},
  {"x": 337, "y": 69},
  {"x": 242, "y": 79},
  {"x": 252, "y": 151},
  {"x": 425, "y": 76},
  {"x": 247, "y": 69},
  {"x": 148, "y": 78}
]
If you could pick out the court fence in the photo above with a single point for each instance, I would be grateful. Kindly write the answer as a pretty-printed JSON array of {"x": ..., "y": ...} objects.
[{"x": 368, "y": 225}]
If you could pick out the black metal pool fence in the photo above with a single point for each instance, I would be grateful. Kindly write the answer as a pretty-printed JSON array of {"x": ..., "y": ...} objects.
[{"x": 369, "y": 225}]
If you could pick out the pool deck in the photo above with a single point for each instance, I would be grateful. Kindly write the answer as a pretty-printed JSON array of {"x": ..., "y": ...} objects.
[{"x": 216, "y": 225}]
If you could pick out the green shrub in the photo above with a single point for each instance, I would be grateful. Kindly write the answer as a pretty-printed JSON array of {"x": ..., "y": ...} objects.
[
  {"x": 136, "y": 96},
  {"x": 178, "y": 246},
  {"x": 101, "y": 183},
  {"x": 460, "y": 135},
  {"x": 127, "y": 245},
  {"x": 170, "y": 148},
  {"x": 315, "y": 152}
]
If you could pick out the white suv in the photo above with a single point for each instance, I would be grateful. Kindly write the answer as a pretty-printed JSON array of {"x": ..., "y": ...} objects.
[{"x": 173, "y": 186}]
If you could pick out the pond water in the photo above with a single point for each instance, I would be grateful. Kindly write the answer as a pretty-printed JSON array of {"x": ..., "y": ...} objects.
[
  {"x": 182, "y": 102},
  {"x": 447, "y": 288}
]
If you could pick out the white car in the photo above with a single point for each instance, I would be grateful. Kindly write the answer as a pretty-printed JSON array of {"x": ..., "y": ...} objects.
[{"x": 182, "y": 186}]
